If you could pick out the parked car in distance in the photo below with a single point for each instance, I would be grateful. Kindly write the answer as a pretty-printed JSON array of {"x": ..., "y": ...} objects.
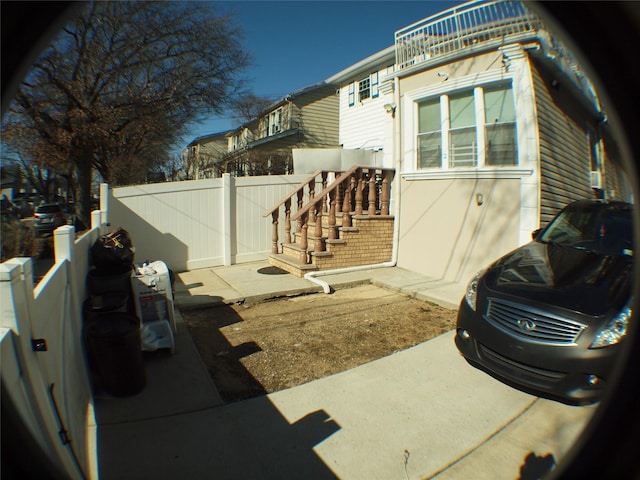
[
  {"x": 48, "y": 217},
  {"x": 549, "y": 317}
]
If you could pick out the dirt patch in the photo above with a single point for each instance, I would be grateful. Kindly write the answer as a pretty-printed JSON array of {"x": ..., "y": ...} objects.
[{"x": 255, "y": 349}]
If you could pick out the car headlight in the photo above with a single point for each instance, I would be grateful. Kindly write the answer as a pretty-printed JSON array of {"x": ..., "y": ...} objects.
[
  {"x": 471, "y": 295},
  {"x": 614, "y": 330}
]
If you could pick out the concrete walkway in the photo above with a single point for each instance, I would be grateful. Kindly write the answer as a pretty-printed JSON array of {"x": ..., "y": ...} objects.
[{"x": 420, "y": 413}]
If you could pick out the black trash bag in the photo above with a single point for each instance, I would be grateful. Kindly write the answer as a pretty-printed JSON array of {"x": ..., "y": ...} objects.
[{"x": 113, "y": 253}]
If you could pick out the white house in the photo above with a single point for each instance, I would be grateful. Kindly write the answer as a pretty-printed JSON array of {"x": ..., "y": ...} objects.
[{"x": 491, "y": 127}]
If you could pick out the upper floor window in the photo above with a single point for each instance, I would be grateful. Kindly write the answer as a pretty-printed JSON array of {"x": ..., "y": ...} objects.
[
  {"x": 470, "y": 128},
  {"x": 365, "y": 89},
  {"x": 273, "y": 123},
  {"x": 500, "y": 126},
  {"x": 463, "y": 143}
]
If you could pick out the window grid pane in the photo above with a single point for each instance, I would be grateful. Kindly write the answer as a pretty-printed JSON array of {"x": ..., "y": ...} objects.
[
  {"x": 498, "y": 104},
  {"x": 429, "y": 116},
  {"x": 429, "y": 150},
  {"x": 463, "y": 149},
  {"x": 364, "y": 91},
  {"x": 501, "y": 148},
  {"x": 462, "y": 110}
]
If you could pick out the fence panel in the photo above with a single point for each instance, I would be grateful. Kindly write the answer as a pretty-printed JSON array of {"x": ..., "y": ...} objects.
[{"x": 200, "y": 223}]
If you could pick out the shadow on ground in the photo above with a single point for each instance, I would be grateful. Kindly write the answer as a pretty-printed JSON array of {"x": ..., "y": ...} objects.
[
  {"x": 223, "y": 360},
  {"x": 246, "y": 440},
  {"x": 180, "y": 426}
]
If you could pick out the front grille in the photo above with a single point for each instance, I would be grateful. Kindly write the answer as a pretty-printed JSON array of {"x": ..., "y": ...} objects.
[
  {"x": 509, "y": 367},
  {"x": 530, "y": 324}
]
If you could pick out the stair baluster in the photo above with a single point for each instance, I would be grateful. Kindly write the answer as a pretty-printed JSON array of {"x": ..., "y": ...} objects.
[
  {"x": 385, "y": 194},
  {"x": 304, "y": 244},
  {"x": 274, "y": 231},
  {"x": 346, "y": 205},
  {"x": 333, "y": 232},
  {"x": 287, "y": 221},
  {"x": 372, "y": 192},
  {"x": 318, "y": 244}
]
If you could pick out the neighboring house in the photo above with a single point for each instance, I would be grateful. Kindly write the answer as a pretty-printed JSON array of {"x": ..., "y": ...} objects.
[
  {"x": 202, "y": 156},
  {"x": 307, "y": 118},
  {"x": 365, "y": 107},
  {"x": 492, "y": 128}
]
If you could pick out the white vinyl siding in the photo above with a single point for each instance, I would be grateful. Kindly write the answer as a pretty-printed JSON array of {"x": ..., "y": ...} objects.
[
  {"x": 363, "y": 125},
  {"x": 564, "y": 154}
]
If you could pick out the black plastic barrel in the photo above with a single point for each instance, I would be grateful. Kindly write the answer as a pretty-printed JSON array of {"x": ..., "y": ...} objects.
[
  {"x": 101, "y": 282},
  {"x": 113, "y": 341},
  {"x": 108, "y": 302}
]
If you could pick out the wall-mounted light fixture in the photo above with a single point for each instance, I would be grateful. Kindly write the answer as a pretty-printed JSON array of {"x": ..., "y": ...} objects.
[
  {"x": 479, "y": 199},
  {"x": 506, "y": 62},
  {"x": 390, "y": 108}
]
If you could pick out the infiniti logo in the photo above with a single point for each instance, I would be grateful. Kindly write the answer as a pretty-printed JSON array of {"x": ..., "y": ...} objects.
[{"x": 526, "y": 324}]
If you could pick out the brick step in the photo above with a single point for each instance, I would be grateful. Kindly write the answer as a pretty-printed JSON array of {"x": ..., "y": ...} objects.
[
  {"x": 291, "y": 264},
  {"x": 368, "y": 242}
]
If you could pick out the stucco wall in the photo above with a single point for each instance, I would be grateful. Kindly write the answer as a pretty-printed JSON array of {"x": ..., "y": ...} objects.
[{"x": 445, "y": 234}]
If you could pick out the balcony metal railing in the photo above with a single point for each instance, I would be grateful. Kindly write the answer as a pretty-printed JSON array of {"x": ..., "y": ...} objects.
[{"x": 465, "y": 26}]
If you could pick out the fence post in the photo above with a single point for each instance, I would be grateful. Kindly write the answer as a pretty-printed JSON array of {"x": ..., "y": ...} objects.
[
  {"x": 64, "y": 240},
  {"x": 228, "y": 194},
  {"x": 104, "y": 203},
  {"x": 16, "y": 281},
  {"x": 16, "y": 298},
  {"x": 96, "y": 220}
]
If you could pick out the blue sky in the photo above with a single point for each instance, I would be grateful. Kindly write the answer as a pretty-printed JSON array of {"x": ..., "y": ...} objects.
[{"x": 298, "y": 43}]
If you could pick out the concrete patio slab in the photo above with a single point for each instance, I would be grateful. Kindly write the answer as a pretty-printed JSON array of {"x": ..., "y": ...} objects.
[{"x": 419, "y": 413}]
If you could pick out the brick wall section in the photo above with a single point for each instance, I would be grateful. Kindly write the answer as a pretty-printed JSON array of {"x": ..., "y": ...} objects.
[{"x": 370, "y": 241}]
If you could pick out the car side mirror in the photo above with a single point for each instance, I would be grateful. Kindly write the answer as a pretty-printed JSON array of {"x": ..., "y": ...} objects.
[{"x": 535, "y": 233}]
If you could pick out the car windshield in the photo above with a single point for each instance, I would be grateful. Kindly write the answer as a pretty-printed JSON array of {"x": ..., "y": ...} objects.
[
  {"x": 602, "y": 228},
  {"x": 48, "y": 209}
]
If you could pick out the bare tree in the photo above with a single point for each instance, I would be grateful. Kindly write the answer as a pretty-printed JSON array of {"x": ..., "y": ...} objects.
[
  {"x": 116, "y": 88},
  {"x": 249, "y": 106}
]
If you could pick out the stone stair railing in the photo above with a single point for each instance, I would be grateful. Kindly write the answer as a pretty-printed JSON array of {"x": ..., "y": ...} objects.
[{"x": 355, "y": 192}]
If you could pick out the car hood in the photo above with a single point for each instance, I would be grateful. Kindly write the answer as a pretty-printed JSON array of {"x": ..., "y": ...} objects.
[{"x": 554, "y": 275}]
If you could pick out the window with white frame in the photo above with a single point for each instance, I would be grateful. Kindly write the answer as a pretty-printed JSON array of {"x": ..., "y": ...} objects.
[
  {"x": 430, "y": 131},
  {"x": 463, "y": 144},
  {"x": 500, "y": 126},
  {"x": 469, "y": 128},
  {"x": 273, "y": 123},
  {"x": 233, "y": 143},
  {"x": 365, "y": 89}
]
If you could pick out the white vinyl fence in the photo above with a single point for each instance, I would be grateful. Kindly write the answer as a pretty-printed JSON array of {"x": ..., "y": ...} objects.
[
  {"x": 46, "y": 395},
  {"x": 46, "y": 391},
  {"x": 200, "y": 223}
]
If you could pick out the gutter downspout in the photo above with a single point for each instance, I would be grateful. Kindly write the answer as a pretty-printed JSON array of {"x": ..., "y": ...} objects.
[{"x": 313, "y": 276}]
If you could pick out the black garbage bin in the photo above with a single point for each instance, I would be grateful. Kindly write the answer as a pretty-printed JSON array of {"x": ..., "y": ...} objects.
[
  {"x": 113, "y": 343},
  {"x": 105, "y": 281}
]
